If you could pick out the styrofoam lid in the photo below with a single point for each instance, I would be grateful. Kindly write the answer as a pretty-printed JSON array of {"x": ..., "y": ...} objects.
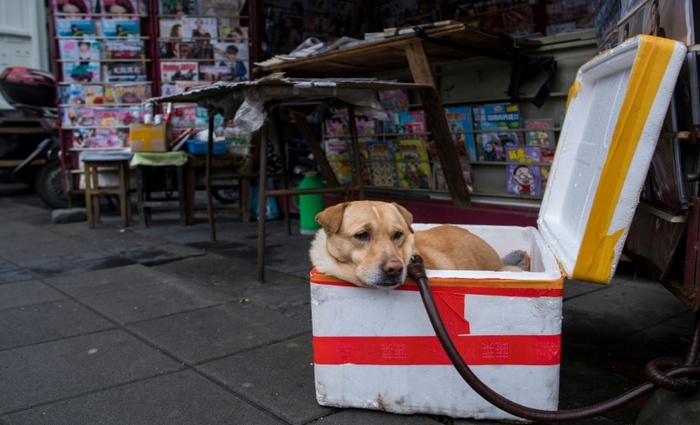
[{"x": 615, "y": 111}]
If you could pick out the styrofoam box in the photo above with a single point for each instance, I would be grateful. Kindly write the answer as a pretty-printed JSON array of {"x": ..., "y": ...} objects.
[{"x": 376, "y": 348}]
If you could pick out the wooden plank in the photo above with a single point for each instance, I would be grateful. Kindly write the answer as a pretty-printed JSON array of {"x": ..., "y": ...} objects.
[
  {"x": 437, "y": 124},
  {"x": 315, "y": 147}
]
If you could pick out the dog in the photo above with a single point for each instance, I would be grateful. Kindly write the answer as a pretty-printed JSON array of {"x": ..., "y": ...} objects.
[{"x": 370, "y": 243}]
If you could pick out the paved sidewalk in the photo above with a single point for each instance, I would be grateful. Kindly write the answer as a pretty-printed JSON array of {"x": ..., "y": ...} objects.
[{"x": 161, "y": 326}]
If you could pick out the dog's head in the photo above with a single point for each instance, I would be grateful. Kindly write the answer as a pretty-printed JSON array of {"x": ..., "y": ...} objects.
[{"x": 367, "y": 243}]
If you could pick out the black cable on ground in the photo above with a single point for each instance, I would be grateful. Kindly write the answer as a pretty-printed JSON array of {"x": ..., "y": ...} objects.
[{"x": 673, "y": 374}]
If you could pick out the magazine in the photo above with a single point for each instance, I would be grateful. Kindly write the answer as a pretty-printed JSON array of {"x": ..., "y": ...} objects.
[
  {"x": 491, "y": 146},
  {"x": 120, "y": 28},
  {"x": 118, "y": 72},
  {"x": 199, "y": 29},
  {"x": 497, "y": 116},
  {"x": 213, "y": 72},
  {"x": 459, "y": 120},
  {"x": 540, "y": 132},
  {"x": 170, "y": 28},
  {"x": 220, "y": 7},
  {"x": 78, "y": 116},
  {"x": 75, "y": 8},
  {"x": 439, "y": 181},
  {"x": 184, "y": 115},
  {"x": 177, "y": 7},
  {"x": 381, "y": 163},
  {"x": 83, "y": 50},
  {"x": 129, "y": 93},
  {"x": 75, "y": 27},
  {"x": 412, "y": 164},
  {"x": 119, "y": 7},
  {"x": 84, "y": 137},
  {"x": 413, "y": 123},
  {"x": 339, "y": 159},
  {"x": 523, "y": 176},
  {"x": 233, "y": 33},
  {"x": 124, "y": 49},
  {"x": 337, "y": 126},
  {"x": 94, "y": 94},
  {"x": 180, "y": 50},
  {"x": 81, "y": 72},
  {"x": 72, "y": 94},
  {"x": 179, "y": 71},
  {"x": 107, "y": 117}
]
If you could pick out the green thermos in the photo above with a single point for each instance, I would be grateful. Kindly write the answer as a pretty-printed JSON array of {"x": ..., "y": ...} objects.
[{"x": 309, "y": 205}]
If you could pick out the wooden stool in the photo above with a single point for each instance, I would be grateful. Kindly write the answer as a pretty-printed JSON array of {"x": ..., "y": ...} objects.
[
  {"x": 93, "y": 189},
  {"x": 146, "y": 201}
]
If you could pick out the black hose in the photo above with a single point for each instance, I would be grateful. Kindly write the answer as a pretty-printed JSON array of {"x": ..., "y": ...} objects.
[{"x": 675, "y": 378}]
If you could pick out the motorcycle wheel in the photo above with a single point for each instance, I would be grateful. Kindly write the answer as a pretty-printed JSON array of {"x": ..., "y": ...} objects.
[
  {"x": 49, "y": 187},
  {"x": 225, "y": 194}
]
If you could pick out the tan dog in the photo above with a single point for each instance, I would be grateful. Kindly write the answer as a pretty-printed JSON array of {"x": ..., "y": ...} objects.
[{"x": 370, "y": 243}]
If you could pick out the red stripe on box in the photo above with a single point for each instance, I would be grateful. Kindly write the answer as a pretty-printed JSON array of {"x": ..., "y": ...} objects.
[
  {"x": 474, "y": 290},
  {"x": 476, "y": 350}
]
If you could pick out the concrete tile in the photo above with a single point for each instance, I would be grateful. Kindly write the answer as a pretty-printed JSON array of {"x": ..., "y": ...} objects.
[
  {"x": 149, "y": 302},
  {"x": 228, "y": 275},
  {"x": 67, "y": 368},
  {"x": 212, "y": 333},
  {"x": 619, "y": 311},
  {"x": 277, "y": 378},
  {"x": 111, "y": 280},
  {"x": 29, "y": 325},
  {"x": 51, "y": 266},
  {"x": 177, "y": 398},
  {"x": 24, "y": 293}
]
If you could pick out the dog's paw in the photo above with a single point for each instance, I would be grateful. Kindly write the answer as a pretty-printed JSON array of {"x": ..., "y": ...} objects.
[{"x": 519, "y": 259}]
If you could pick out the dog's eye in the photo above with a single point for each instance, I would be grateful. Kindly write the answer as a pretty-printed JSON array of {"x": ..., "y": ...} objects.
[
  {"x": 363, "y": 236},
  {"x": 398, "y": 235}
]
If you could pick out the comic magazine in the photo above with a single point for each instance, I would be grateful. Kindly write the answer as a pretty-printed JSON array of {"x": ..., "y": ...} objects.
[
  {"x": 547, "y": 158},
  {"x": 107, "y": 116},
  {"x": 120, "y": 72},
  {"x": 184, "y": 115},
  {"x": 459, "y": 120},
  {"x": 72, "y": 94},
  {"x": 179, "y": 71},
  {"x": 120, "y": 28},
  {"x": 337, "y": 126},
  {"x": 339, "y": 159},
  {"x": 439, "y": 182},
  {"x": 413, "y": 164},
  {"x": 75, "y": 27},
  {"x": 539, "y": 132},
  {"x": 84, "y": 137},
  {"x": 124, "y": 49},
  {"x": 94, "y": 94},
  {"x": 497, "y": 116},
  {"x": 128, "y": 93},
  {"x": 80, "y": 116},
  {"x": 381, "y": 163},
  {"x": 523, "y": 176},
  {"x": 111, "y": 138},
  {"x": 413, "y": 123}
]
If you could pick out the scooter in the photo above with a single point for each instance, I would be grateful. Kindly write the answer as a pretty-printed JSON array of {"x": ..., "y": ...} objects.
[{"x": 29, "y": 145}]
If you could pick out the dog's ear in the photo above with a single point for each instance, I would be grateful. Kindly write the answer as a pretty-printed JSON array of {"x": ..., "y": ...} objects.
[
  {"x": 407, "y": 216},
  {"x": 331, "y": 217}
]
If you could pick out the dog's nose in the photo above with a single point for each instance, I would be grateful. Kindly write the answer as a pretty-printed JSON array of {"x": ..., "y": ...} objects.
[{"x": 393, "y": 268}]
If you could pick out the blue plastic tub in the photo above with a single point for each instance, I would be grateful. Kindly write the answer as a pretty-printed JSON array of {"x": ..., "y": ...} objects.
[{"x": 199, "y": 147}]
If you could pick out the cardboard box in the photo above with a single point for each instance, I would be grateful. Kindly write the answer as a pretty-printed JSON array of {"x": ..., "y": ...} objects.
[
  {"x": 376, "y": 349},
  {"x": 149, "y": 138}
]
